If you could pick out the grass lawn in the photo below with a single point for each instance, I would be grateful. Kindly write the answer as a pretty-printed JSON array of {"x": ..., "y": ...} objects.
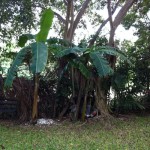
[{"x": 129, "y": 134}]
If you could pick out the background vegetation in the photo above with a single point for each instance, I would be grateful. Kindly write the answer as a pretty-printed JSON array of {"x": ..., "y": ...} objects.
[{"x": 76, "y": 71}]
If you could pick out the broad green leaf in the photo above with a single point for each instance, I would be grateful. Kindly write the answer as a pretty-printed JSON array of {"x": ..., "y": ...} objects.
[
  {"x": 45, "y": 24},
  {"x": 84, "y": 70},
  {"x": 112, "y": 51},
  {"x": 101, "y": 64},
  {"x": 16, "y": 63},
  {"x": 74, "y": 50},
  {"x": 39, "y": 57},
  {"x": 55, "y": 48},
  {"x": 24, "y": 38}
]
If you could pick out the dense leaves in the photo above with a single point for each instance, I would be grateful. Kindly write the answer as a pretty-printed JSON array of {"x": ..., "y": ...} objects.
[{"x": 101, "y": 64}]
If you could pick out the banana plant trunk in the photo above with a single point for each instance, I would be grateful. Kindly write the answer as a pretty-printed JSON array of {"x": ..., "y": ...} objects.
[{"x": 35, "y": 101}]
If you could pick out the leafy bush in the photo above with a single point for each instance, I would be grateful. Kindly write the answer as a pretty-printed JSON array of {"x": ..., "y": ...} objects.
[{"x": 126, "y": 103}]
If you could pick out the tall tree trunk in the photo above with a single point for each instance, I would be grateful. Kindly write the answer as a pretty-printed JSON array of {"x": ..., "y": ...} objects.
[{"x": 71, "y": 23}]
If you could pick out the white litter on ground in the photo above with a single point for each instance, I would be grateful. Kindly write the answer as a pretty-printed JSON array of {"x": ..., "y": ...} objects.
[{"x": 44, "y": 121}]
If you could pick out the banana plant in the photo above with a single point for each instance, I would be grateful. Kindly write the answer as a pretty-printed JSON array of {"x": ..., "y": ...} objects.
[
  {"x": 39, "y": 55},
  {"x": 86, "y": 58},
  {"x": 91, "y": 63}
]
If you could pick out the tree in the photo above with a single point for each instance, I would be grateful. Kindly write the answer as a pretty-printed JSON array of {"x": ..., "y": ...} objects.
[
  {"x": 135, "y": 83},
  {"x": 102, "y": 94},
  {"x": 140, "y": 20}
]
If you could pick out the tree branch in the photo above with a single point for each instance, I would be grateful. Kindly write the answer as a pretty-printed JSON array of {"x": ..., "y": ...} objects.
[
  {"x": 67, "y": 18},
  {"x": 60, "y": 18},
  {"x": 70, "y": 31},
  {"x": 119, "y": 17},
  {"x": 91, "y": 42},
  {"x": 123, "y": 11},
  {"x": 110, "y": 13},
  {"x": 111, "y": 39},
  {"x": 80, "y": 14},
  {"x": 65, "y": 2}
]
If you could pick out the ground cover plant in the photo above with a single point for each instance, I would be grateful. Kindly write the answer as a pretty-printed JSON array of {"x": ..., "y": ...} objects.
[{"x": 126, "y": 133}]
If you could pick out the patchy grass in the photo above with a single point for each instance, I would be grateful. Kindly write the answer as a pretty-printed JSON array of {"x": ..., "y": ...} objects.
[{"x": 132, "y": 134}]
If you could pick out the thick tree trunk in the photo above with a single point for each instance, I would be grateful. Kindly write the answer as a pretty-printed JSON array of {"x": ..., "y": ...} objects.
[{"x": 101, "y": 99}]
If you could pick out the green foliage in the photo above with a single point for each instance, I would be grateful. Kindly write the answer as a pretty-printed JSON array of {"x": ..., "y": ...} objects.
[
  {"x": 129, "y": 20},
  {"x": 39, "y": 57},
  {"x": 130, "y": 83},
  {"x": 74, "y": 50},
  {"x": 113, "y": 51},
  {"x": 120, "y": 80},
  {"x": 16, "y": 17},
  {"x": 101, "y": 64},
  {"x": 126, "y": 103},
  {"x": 13, "y": 69},
  {"x": 81, "y": 67},
  {"x": 24, "y": 38},
  {"x": 84, "y": 70},
  {"x": 59, "y": 42},
  {"x": 126, "y": 91},
  {"x": 45, "y": 24},
  {"x": 95, "y": 56}
]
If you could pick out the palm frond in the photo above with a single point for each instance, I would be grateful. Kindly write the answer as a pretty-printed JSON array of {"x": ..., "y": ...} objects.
[{"x": 16, "y": 63}]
